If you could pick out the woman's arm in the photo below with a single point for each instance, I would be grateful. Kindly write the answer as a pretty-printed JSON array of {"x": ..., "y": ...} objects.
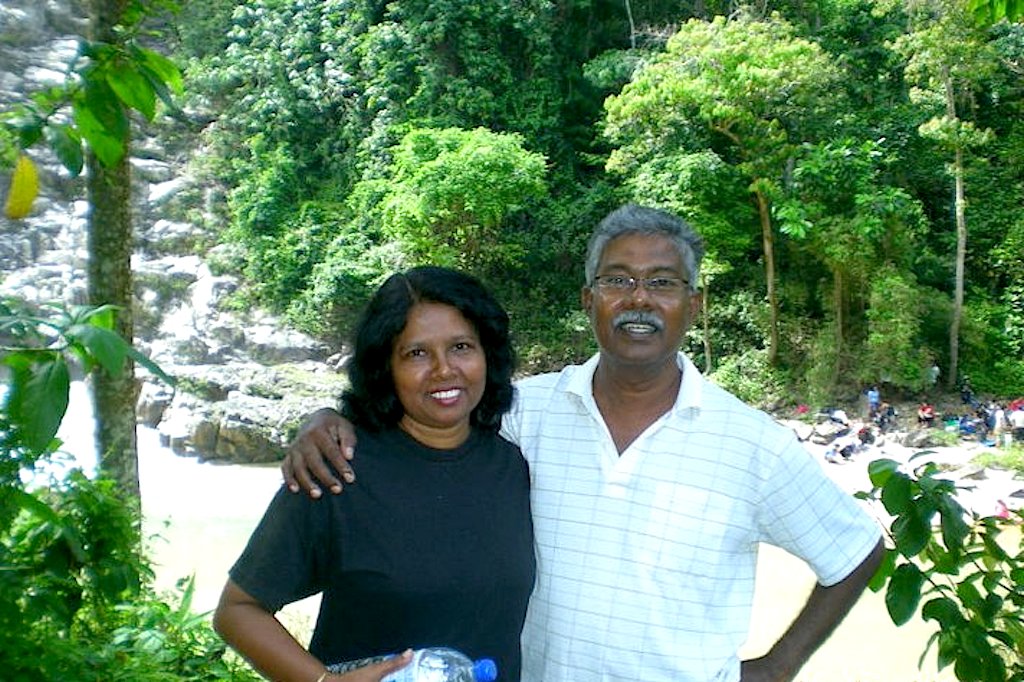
[{"x": 258, "y": 636}]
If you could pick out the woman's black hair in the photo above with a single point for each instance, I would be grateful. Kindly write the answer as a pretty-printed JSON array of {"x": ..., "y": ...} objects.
[{"x": 371, "y": 401}]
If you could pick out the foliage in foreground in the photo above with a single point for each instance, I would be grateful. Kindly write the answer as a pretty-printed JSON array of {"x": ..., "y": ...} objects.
[
  {"x": 77, "y": 602},
  {"x": 967, "y": 569},
  {"x": 76, "y": 590}
]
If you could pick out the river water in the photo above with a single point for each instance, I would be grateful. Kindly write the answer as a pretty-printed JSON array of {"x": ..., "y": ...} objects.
[{"x": 197, "y": 516}]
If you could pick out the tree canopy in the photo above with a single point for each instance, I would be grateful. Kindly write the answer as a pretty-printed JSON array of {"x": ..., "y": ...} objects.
[
  {"x": 809, "y": 144},
  {"x": 836, "y": 156}
]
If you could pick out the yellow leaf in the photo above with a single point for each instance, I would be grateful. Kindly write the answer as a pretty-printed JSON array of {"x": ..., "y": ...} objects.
[{"x": 24, "y": 189}]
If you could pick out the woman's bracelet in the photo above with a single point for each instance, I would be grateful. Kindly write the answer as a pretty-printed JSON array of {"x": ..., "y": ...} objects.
[{"x": 323, "y": 676}]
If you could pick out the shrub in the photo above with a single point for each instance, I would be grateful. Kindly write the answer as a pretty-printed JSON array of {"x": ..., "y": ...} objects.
[
  {"x": 76, "y": 597},
  {"x": 968, "y": 568},
  {"x": 751, "y": 378}
]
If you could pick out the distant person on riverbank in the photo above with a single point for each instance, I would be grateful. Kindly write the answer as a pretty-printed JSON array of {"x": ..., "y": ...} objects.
[
  {"x": 653, "y": 488},
  {"x": 874, "y": 397},
  {"x": 967, "y": 393},
  {"x": 926, "y": 415},
  {"x": 995, "y": 420},
  {"x": 434, "y": 547},
  {"x": 1016, "y": 420},
  {"x": 885, "y": 417}
]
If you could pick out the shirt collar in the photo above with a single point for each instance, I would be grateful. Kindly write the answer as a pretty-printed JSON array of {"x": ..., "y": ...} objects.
[{"x": 581, "y": 383}]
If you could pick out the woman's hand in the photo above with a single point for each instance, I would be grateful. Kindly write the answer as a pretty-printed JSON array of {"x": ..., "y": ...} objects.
[{"x": 374, "y": 672}]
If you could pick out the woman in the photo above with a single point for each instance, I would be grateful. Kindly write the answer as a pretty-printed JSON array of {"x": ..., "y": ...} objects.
[{"x": 434, "y": 547}]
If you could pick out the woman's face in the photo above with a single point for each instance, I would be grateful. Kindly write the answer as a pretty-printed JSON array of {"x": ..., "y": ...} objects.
[{"x": 440, "y": 371}]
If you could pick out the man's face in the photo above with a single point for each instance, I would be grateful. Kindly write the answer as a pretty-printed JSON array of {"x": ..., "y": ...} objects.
[{"x": 640, "y": 326}]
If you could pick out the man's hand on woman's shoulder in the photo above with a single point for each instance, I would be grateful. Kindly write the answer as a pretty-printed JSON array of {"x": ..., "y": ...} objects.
[{"x": 325, "y": 439}]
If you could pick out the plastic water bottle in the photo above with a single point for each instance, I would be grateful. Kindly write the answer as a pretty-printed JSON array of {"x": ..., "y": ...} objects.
[{"x": 440, "y": 664}]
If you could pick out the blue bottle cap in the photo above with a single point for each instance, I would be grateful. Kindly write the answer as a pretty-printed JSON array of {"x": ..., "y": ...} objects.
[{"x": 485, "y": 670}]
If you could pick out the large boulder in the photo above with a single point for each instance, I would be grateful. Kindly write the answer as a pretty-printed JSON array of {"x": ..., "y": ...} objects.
[
  {"x": 922, "y": 438},
  {"x": 240, "y": 412}
]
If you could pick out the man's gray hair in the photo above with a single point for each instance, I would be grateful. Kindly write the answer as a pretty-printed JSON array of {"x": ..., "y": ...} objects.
[{"x": 634, "y": 219}]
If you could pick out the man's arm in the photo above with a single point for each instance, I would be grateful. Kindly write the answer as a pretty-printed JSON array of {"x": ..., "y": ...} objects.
[
  {"x": 325, "y": 438},
  {"x": 825, "y": 609}
]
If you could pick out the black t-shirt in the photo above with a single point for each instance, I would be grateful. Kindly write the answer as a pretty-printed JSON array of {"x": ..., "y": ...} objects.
[{"x": 427, "y": 548}]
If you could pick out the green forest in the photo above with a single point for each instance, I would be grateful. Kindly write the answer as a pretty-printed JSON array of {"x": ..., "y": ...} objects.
[{"x": 855, "y": 168}]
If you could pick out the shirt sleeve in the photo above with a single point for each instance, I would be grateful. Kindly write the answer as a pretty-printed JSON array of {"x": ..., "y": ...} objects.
[
  {"x": 286, "y": 557},
  {"x": 808, "y": 515},
  {"x": 512, "y": 421}
]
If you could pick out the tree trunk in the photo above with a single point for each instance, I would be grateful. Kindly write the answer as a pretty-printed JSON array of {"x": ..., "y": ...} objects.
[
  {"x": 632, "y": 26},
  {"x": 709, "y": 365},
  {"x": 110, "y": 282},
  {"x": 960, "y": 211},
  {"x": 961, "y": 257},
  {"x": 838, "y": 295},
  {"x": 768, "y": 240}
]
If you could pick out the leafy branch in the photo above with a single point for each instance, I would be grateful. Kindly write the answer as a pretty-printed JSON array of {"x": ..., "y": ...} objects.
[
  {"x": 102, "y": 83},
  {"x": 39, "y": 351},
  {"x": 960, "y": 562}
]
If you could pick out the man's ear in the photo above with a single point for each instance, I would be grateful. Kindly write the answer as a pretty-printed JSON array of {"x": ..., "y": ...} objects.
[
  {"x": 587, "y": 298},
  {"x": 696, "y": 304}
]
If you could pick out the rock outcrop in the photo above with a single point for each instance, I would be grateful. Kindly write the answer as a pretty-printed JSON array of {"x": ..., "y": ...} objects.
[{"x": 244, "y": 378}]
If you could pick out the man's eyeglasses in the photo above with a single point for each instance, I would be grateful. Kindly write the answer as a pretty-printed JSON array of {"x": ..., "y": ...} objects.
[{"x": 620, "y": 284}]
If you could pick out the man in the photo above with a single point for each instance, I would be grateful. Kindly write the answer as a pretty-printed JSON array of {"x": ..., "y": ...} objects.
[
  {"x": 1016, "y": 420},
  {"x": 874, "y": 402},
  {"x": 652, "y": 489}
]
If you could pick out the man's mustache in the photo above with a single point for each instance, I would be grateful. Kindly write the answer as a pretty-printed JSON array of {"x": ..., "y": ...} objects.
[{"x": 639, "y": 317}]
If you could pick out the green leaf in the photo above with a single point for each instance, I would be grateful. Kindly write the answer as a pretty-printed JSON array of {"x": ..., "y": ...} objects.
[
  {"x": 165, "y": 70},
  {"x": 29, "y": 132},
  {"x": 949, "y": 648},
  {"x": 159, "y": 88},
  {"x": 151, "y": 366},
  {"x": 954, "y": 528},
  {"x": 104, "y": 316},
  {"x": 19, "y": 361},
  {"x": 880, "y": 470},
  {"x": 32, "y": 504},
  {"x": 106, "y": 346},
  {"x": 990, "y": 608},
  {"x": 1017, "y": 575},
  {"x": 100, "y": 118},
  {"x": 108, "y": 149},
  {"x": 132, "y": 89},
  {"x": 996, "y": 551},
  {"x": 974, "y": 641},
  {"x": 38, "y": 400},
  {"x": 943, "y": 561},
  {"x": 969, "y": 595},
  {"x": 904, "y": 593},
  {"x": 911, "y": 532},
  {"x": 897, "y": 494},
  {"x": 67, "y": 147},
  {"x": 885, "y": 569},
  {"x": 943, "y": 610}
]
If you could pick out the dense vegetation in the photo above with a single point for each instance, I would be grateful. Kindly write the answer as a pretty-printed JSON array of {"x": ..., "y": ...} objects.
[
  {"x": 77, "y": 596},
  {"x": 854, "y": 167}
]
